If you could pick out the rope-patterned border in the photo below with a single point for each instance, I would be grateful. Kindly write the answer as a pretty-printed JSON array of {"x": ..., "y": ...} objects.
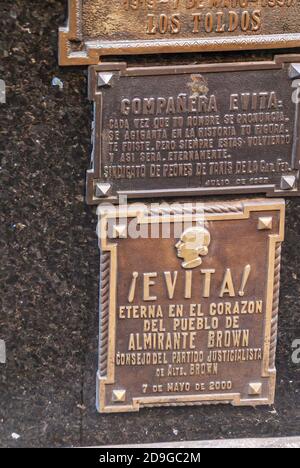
[
  {"x": 275, "y": 305},
  {"x": 104, "y": 311},
  {"x": 194, "y": 209}
]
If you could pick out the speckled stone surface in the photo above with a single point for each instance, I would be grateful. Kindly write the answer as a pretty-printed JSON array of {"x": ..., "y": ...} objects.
[{"x": 49, "y": 265}]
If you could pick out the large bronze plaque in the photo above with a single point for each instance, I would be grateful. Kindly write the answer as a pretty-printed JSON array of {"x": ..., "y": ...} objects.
[
  {"x": 98, "y": 27},
  {"x": 189, "y": 314},
  {"x": 207, "y": 129}
]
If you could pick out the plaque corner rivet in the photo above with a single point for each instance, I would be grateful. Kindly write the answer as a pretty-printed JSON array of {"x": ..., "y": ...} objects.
[
  {"x": 287, "y": 182},
  {"x": 102, "y": 189},
  {"x": 119, "y": 230},
  {"x": 104, "y": 79},
  {"x": 265, "y": 223},
  {"x": 294, "y": 70},
  {"x": 118, "y": 396},
  {"x": 255, "y": 388}
]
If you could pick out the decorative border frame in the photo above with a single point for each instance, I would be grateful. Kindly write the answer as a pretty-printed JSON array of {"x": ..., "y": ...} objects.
[
  {"x": 239, "y": 210},
  {"x": 73, "y": 50},
  {"x": 97, "y": 95}
]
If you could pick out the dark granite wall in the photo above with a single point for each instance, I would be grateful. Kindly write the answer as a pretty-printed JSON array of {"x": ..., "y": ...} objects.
[{"x": 49, "y": 265}]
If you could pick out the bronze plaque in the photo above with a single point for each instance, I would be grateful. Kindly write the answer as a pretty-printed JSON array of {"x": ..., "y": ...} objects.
[
  {"x": 189, "y": 303},
  {"x": 195, "y": 130},
  {"x": 98, "y": 27}
]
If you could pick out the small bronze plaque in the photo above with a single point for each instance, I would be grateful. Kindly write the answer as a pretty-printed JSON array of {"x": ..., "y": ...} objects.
[
  {"x": 189, "y": 303},
  {"x": 98, "y": 27},
  {"x": 195, "y": 130}
]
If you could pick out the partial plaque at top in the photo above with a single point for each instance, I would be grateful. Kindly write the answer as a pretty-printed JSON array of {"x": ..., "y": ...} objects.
[
  {"x": 97, "y": 27},
  {"x": 195, "y": 130}
]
